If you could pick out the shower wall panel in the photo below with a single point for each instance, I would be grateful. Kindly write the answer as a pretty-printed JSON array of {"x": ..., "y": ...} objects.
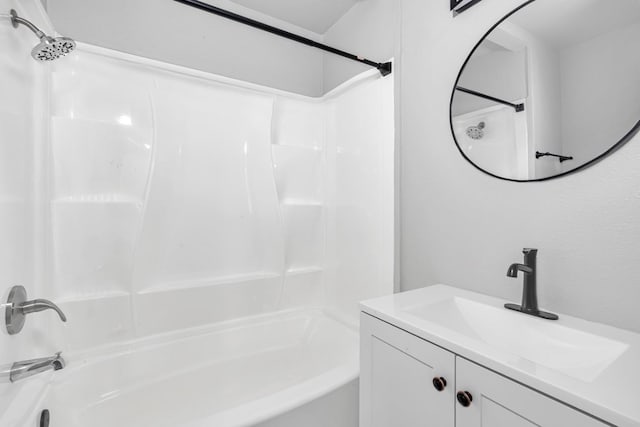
[
  {"x": 211, "y": 213},
  {"x": 101, "y": 147},
  {"x": 162, "y": 198},
  {"x": 211, "y": 245},
  {"x": 180, "y": 199},
  {"x": 299, "y": 160},
  {"x": 360, "y": 181}
]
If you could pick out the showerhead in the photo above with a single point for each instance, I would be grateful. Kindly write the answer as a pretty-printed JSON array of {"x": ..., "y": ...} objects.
[
  {"x": 49, "y": 48},
  {"x": 476, "y": 132}
]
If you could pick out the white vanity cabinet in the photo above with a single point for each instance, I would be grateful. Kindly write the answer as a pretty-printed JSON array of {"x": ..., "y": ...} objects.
[
  {"x": 401, "y": 375},
  {"x": 501, "y": 402},
  {"x": 396, "y": 379}
]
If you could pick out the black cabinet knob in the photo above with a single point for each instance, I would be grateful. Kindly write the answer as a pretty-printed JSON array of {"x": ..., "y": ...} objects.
[
  {"x": 464, "y": 398},
  {"x": 439, "y": 383}
]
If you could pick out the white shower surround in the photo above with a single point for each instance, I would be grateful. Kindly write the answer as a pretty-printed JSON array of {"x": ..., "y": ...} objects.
[{"x": 179, "y": 206}]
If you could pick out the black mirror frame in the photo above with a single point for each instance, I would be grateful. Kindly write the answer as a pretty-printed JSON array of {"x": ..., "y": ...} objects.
[
  {"x": 457, "y": 9},
  {"x": 626, "y": 138}
]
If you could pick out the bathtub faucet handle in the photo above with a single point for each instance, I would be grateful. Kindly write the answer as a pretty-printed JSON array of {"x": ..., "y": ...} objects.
[
  {"x": 37, "y": 305},
  {"x": 18, "y": 307}
]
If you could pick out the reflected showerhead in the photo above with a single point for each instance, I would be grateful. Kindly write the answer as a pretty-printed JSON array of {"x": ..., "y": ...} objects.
[
  {"x": 49, "y": 48},
  {"x": 476, "y": 132}
]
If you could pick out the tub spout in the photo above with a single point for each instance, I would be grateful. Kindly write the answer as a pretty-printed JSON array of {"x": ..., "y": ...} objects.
[{"x": 28, "y": 368}]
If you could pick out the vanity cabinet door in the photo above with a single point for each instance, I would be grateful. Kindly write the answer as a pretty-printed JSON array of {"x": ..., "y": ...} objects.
[
  {"x": 397, "y": 375},
  {"x": 500, "y": 402}
]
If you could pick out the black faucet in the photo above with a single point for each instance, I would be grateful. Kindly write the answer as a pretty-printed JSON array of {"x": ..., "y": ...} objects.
[{"x": 529, "y": 293}]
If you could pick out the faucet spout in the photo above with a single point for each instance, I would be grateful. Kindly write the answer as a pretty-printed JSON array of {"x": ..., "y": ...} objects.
[
  {"x": 514, "y": 268},
  {"x": 29, "y": 368}
]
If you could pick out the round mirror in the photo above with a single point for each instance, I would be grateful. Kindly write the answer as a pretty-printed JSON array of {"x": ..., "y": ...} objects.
[{"x": 550, "y": 89}]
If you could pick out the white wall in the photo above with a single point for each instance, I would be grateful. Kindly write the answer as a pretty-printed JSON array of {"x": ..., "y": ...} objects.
[
  {"x": 178, "y": 34},
  {"x": 462, "y": 227}
]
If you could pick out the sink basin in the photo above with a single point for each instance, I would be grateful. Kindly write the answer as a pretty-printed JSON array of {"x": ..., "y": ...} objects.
[{"x": 576, "y": 353}]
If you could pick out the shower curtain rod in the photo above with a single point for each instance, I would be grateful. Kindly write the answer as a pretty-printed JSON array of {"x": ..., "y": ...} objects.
[
  {"x": 518, "y": 107},
  {"x": 385, "y": 68}
]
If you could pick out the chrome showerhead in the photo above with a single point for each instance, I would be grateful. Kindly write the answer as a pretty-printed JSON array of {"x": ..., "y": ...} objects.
[
  {"x": 49, "y": 48},
  {"x": 476, "y": 132}
]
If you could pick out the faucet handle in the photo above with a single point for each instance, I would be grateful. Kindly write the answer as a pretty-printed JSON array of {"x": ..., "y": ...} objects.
[
  {"x": 18, "y": 307},
  {"x": 528, "y": 251},
  {"x": 37, "y": 305}
]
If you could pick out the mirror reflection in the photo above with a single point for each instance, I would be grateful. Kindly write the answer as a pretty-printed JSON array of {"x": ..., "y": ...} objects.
[{"x": 554, "y": 87}]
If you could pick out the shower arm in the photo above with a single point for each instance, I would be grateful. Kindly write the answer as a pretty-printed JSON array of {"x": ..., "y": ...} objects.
[{"x": 16, "y": 21}]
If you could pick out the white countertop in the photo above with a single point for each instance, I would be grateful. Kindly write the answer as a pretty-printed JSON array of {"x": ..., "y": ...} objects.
[{"x": 612, "y": 395}]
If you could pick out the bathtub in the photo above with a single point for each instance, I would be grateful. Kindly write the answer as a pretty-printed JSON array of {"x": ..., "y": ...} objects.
[{"x": 240, "y": 373}]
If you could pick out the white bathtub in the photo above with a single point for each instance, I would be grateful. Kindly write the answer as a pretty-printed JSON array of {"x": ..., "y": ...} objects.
[{"x": 241, "y": 373}]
